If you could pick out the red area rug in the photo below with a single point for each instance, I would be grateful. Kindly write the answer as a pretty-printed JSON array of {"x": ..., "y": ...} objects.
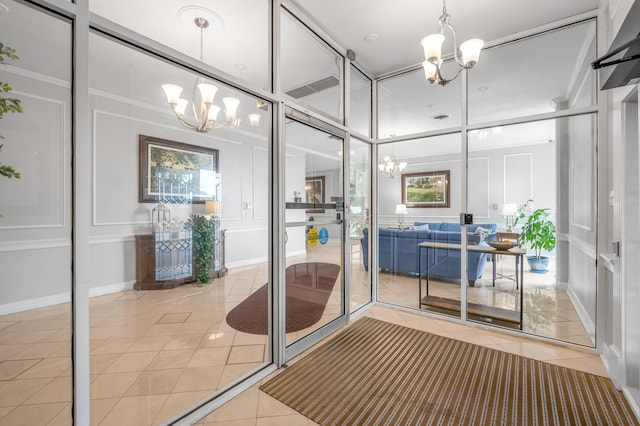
[{"x": 309, "y": 286}]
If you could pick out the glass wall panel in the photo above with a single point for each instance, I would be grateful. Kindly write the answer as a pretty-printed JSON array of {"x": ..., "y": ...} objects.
[
  {"x": 360, "y": 90},
  {"x": 311, "y": 71},
  {"x": 314, "y": 229},
  {"x": 236, "y": 40},
  {"x": 408, "y": 103},
  {"x": 545, "y": 171},
  {"x": 182, "y": 217},
  {"x": 35, "y": 217},
  {"x": 419, "y": 210},
  {"x": 359, "y": 209},
  {"x": 539, "y": 74}
]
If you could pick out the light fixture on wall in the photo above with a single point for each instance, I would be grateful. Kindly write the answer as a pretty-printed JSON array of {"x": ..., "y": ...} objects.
[
  {"x": 401, "y": 210},
  {"x": 432, "y": 44},
  {"x": 509, "y": 211},
  {"x": 389, "y": 166},
  {"x": 204, "y": 111}
]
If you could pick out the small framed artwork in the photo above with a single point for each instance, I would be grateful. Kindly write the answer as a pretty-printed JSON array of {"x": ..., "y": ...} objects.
[
  {"x": 177, "y": 173},
  {"x": 315, "y": 192},
  {"x": 426, "y": 189}
]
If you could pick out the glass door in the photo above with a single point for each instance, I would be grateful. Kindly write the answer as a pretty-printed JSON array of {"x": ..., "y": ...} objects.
[{"x": 315, "y": 232}]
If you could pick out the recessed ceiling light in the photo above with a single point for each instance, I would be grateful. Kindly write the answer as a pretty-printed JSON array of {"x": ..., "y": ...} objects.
[
  {"x": 189, "y": 14},
  {"x": 371, "y": 38},
  {"x": 441, "y": 117}
]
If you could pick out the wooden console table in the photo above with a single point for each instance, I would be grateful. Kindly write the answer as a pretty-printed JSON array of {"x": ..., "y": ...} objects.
[{"x": 500, "y": 314}]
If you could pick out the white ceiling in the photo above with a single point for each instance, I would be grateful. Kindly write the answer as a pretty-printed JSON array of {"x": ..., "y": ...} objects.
[{"x": 401, "y": 24}]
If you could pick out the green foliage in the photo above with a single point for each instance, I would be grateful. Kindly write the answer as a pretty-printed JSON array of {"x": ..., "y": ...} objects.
[
  {"x": 7, "y": 105},
  {"x": 538, "y": 231},
  {"x": 203, "y": 237}
]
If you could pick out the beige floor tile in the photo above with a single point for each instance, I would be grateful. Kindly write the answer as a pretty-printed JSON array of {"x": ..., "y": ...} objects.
[
  {"x": 136, "y": 361},
  {"x": 64, "y": 417},
  {"x": 244, "y": 422},
  {"x": 162, "y": 330},
  {"x": 193, "y": 327},
  {"x": 99, "y": 408},
  {"x": 135, "y": 410},
  {"x": 57, "y": 390},
  {"x": 209, "y": 356},
  {"x": 155, "y": 382},
  {"x": 114, "y": 346},
  {"x": 15, "y": 392},
  {"x": 244, "y": 339},
  {"x": 243, "y": 406},
  {"x": 184, "y": 341},
  {"x": 173, "y": 318},
  {"x": 171, "y": 359},
  {"x": 178, "y": 402},
  {"x": 199, "y": 379},
  {"x": 270, "y": 407},
  {"x": 149, "y": 343},
  {"x": 113, "y": 385},
  {"x": 98, "y": 364},
  {"x": 232, "y": 372},
  {"x": 39, "y": 350},
  {"x": 5, "y": 410},
  {"x": 13, "y": 368},
  {"x": 50, "y": 367},
  {"x": 7, "y": 351},
  {"x": 39, "y": 414},
  {"x": 213, "y": 339},
  {"x": 244, "y": 354}
]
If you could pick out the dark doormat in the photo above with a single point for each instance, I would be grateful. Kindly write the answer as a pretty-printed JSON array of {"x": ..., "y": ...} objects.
[{"x": 308, "y": 288}]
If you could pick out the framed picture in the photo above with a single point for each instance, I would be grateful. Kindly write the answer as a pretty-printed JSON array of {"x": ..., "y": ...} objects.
[
  {"x": 177, "y": 173},
  {"x": 426, "y": 189},
  {"x": 314, "y": 188}
]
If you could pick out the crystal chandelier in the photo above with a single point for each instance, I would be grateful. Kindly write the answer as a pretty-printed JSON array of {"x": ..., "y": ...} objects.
[
  {"x": 432, "y": 44},
  {"x": 205, "y": 113},
  {"x": 389, "y": 167}
]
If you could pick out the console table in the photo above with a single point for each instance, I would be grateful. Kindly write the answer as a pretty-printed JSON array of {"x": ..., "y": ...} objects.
[{"x": 500, "y": 314}]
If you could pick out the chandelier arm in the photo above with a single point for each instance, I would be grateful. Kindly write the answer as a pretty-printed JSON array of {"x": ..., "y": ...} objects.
[
  {"x": 455, "y": 45},
  {"x": 214, "y": 127},
  {"x": 185, "y": 123}
]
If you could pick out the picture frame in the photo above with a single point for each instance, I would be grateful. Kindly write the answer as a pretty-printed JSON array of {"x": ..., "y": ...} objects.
[
  {"x": 426, "y": 189},
  {"x": 315, "y": 192},
  {"x": 177, "y": 173}
]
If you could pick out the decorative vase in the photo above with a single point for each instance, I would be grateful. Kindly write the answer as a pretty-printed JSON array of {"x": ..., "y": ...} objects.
[{"x": 538, "y": 265}]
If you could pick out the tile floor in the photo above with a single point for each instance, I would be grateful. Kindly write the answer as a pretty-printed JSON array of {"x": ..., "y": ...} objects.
[{"x": 154, "y": 353}]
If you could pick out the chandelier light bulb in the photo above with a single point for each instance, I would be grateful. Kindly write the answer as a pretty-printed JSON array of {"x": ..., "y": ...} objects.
[
  {"x": 432, "y": 45},
  {"x": 213, "y": 113},
  {"x": 173, "y": 93},
  {"x": 254, "y": 120},
  {"x": 208, "y": 92},
  {"x": 180, "y": 107},
  {"x": 231, "y": 107}
]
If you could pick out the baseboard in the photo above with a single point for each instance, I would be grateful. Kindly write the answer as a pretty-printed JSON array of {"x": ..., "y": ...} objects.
[
  {"x": 39, "y": 302},
  {"x": 111, "y": 288},
  {"x": 628, "y": 394},
  {"x": 58, "y": 299},
  {"x": 256, "y": 260},
  {"x": 587, "y": 322}
]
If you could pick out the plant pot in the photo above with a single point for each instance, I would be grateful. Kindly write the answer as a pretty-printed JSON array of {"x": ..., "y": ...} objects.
[{"x": 538, "y": 265}]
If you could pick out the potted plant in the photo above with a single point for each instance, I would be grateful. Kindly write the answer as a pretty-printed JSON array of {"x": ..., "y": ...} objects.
[
  {"x": 203, "y": 238},
  {"x": 539, "y": 233},
  {"x": 7, "y": 105}
]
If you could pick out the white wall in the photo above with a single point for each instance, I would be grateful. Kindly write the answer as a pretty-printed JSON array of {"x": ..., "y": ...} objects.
[{"x": 492, "y": 175}]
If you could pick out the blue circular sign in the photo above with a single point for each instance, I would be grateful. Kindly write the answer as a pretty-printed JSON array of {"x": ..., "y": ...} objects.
[{"x": 323, "y": 236}]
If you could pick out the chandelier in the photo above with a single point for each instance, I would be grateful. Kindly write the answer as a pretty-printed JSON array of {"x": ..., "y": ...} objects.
[
  {"x": 432, "y": 44},
  {"x": 204, "y": 111},
  {"x": 389, "y": 167}
]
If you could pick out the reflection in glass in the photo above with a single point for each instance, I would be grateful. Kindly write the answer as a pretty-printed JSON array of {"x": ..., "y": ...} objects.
[
  {"x": 311, "y": 71},
  {"x": 359, "y": 183},
  {"x": 35, "y": 217},
  {"x": 543, "y": 73},
  {"x": 401, "y": 258},
  {"x": 551, "y": 163},
  {"x": 314, "y": 239}
]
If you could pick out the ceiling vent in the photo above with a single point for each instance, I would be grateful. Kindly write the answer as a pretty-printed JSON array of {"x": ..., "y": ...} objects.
[{"x": 313, "y": 87}]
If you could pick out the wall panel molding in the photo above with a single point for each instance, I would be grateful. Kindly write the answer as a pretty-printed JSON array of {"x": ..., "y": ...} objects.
[{"x": 13, "y": 246}]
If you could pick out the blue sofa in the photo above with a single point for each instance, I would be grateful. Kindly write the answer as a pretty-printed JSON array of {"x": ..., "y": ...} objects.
[{"x": 398, "y": 249}]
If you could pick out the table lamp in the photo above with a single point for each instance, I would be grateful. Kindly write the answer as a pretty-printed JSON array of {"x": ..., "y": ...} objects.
[
  {"x": 401, "y": 210},
  {"x": 508, "y": 211}
]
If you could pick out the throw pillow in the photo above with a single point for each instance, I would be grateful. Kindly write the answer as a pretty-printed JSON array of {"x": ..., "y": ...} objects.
[
  {"x": 483, "y": 232},
  {"x": 424, "y": 227}
]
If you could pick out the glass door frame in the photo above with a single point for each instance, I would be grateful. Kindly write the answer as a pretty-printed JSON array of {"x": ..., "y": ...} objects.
[{"x": 288, "y": 352}]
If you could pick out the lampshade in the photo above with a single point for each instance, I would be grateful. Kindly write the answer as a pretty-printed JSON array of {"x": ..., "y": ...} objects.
[
  {"x": 509, "y": 209},
  {"x": 470, "y": 50},
  {"x": 401, "y": 209},
  {"x": 429, "y": 70},
  {"x": 254, "y": 119},
  {"x": 231, "y": 106},
  {"x": 173, "y": 92},
  {"x": 432, "y": 45},
  {"x": 208, "y": 92},
  {"x": 212, "y": 207}
]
